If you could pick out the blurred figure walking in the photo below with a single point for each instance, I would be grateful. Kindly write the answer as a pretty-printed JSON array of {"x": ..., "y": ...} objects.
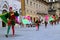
[
  {"x": 46, "y": 20},
  {"x": 37, "y": 24}
]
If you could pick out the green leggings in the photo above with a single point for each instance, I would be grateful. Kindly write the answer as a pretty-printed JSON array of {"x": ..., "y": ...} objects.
[{"x": 8, "y": 30}]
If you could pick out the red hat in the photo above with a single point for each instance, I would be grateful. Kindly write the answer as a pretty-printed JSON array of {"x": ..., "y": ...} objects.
[{"x": 10, "y": 8}]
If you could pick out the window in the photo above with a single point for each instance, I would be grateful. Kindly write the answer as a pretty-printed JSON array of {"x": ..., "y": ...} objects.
[
  {"x": 27, "y": 1},
  {"x": 51, "y": 0},
  {"x": 39, "y": 5},
  {"x": 31, "y": 11},
  {"x": 33, "y": 0},
  {"x": 27, "y": 10},
  {"x": 34, "y": 4},
  {"x": 5, "y": 6},
  {"x": 34, "y": 12},
  {"x": 31, "y": 3}
]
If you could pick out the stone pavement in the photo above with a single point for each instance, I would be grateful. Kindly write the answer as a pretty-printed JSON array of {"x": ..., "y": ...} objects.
[{"x": 49, "y": 33}]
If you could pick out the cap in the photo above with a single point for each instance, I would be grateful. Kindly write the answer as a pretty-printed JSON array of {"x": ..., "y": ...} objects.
[{"x": 10, "y": 8}]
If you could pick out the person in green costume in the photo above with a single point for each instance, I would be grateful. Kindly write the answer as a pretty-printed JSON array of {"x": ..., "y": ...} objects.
[
  {"x": 51, "y": 20},
  {"x": 3, "y": 12}
]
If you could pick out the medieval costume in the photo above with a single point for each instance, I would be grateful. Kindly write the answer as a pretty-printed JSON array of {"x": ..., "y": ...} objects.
[{"x": 11, "y": 16}]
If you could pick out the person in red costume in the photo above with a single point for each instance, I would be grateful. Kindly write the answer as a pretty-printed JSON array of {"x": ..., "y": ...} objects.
[
  {"x": 11, "y": 21},
  {"x": 54, "y": 16}
]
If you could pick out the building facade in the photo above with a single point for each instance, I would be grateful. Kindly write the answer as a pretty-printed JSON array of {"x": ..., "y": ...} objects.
[
  {"x": 54, "y": 7},
  {"x": 35, "y": 8}
]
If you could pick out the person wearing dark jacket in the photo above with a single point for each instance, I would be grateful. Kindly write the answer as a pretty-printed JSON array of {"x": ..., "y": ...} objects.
[{"x": 37, "y": 24}]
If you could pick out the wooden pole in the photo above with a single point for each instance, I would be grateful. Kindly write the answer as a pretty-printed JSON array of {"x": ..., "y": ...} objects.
[{"x": 23, "y": 7}]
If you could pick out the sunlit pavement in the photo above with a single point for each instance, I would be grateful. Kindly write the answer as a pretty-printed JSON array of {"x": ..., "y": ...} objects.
[{"x": 49, "y": 33}]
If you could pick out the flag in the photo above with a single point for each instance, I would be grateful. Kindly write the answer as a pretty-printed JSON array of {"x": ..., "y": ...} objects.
[
  {"x": 2, "y": 16},
  {"x": 51, "y": 19}
]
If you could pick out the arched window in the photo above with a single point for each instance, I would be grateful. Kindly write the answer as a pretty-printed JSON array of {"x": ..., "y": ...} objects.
[{"x": 5, "y": 6}]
